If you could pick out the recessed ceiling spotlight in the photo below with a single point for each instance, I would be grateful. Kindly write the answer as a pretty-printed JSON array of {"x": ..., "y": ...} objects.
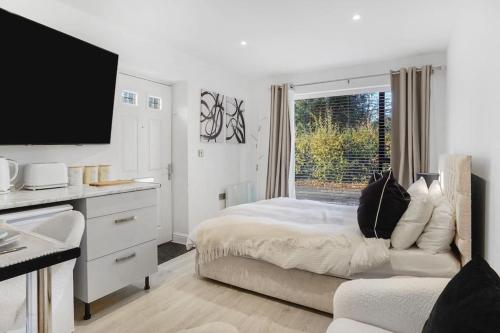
[
  {"x": 243, "y": 43},
  {"x": 356, "y": 17}
]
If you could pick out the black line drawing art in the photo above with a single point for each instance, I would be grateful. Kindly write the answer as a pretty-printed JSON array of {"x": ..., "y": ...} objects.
[
  {"x": 211, "y": 117},
  {"x": 235, "y": 120}
]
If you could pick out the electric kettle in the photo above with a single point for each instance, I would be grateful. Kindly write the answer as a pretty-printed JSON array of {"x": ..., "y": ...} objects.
[{"x": 5, "y": 174}]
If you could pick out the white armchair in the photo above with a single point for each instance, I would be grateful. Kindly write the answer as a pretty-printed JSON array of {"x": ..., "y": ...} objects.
[
  {"x": 400, "y": 304},
  {"x": 65, "y": 227}
]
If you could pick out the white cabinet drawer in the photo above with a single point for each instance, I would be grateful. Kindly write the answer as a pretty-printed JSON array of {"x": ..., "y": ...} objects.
[
  {"x": 115, "y": 232},
  {"x": 112, "y": 272},
  {"x": 116, "y": 203}
]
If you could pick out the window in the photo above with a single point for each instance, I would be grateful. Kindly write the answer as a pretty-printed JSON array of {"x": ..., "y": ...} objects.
[
  {"x": 129, "y": 97},
  {"x": 154, "y": 102},
  {"x": 340, "y": 141}
]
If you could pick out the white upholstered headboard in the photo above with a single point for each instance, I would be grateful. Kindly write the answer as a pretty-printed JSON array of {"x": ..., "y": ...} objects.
[{"x": 455, "y": 178}]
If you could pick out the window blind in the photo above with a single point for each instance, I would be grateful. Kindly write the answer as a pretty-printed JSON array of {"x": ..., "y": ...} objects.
[{"x": 341, "y": 140}]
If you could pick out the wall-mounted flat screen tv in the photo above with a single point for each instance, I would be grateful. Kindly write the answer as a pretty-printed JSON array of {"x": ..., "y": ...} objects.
[{"x": 54, "y": 89}]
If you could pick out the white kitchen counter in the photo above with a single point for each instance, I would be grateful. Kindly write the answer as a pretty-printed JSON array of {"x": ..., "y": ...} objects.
[{"x": 26, "y": 198}]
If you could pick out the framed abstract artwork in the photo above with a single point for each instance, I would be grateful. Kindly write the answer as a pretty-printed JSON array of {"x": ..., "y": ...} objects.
[
  {"x": 235, "y": 120},
  {"x": 212, "y": 117}
]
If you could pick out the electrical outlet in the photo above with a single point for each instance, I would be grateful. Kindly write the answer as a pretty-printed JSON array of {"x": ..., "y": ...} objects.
[
  {"x": 201, "y": 153},
  {"x": 222, "y": 196}
]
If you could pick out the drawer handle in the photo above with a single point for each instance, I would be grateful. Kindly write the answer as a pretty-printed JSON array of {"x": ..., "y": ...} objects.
[
  {"x": 130, "y": 256},
  {"x": 126, "y": 219}
]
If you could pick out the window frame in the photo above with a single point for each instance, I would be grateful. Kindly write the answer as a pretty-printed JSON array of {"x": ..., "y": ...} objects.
[
  {"x": 160, "y": 102},
  {"x": 378, "y": 88},
  {"x": 124, "y": 99}
]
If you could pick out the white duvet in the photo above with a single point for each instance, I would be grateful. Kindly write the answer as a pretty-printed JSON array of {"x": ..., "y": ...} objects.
[{"x": 308, "y": 235}]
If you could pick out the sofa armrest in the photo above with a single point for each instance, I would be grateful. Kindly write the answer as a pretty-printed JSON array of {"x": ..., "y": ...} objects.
[
  {"x": 395, "y": 304},
  {"x": 66, "y": 227}
]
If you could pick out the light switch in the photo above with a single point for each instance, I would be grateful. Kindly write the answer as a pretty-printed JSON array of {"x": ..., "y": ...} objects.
[{"x": 201, "y": 154}]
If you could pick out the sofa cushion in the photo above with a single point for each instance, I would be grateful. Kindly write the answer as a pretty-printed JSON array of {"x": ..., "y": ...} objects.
[
  {"x": 469, "y": 303},
  {"x": 344, "y": 325}
]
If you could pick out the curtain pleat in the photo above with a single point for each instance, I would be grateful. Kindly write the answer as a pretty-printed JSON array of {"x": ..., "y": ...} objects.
[
  {"x": 278, "y": 166},
  {"x": 410, "y": 123}
]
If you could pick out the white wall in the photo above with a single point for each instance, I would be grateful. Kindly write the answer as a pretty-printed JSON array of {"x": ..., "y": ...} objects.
[
  {"x": 222, "y": 163},
  {"x": 197, "y": 181},
  {"x": 261, "y": 97},
  {"x": 474, "y": 102},
  {"x": 438, "y": 98}
]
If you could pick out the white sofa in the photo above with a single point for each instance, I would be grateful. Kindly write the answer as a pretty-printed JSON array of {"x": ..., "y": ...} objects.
[
  {"x": 65, "y": 227},
  {"x": 400, "y": 304}
]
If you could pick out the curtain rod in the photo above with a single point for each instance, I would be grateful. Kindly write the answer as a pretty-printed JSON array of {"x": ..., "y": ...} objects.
[{"x": 356, "y": 77}]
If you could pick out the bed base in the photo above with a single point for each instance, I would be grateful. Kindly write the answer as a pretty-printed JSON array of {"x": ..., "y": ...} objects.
[{"x": 296, "y": 286}]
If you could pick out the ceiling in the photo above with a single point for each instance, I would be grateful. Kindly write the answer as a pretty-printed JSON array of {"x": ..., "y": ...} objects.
[{"x": 285, "y": 36}]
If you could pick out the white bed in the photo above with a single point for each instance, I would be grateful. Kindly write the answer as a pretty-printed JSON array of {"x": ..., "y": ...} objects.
[{"x": 316, "y": 290}]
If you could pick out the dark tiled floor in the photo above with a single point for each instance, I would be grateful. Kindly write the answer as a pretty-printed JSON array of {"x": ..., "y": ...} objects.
[{"x": 169, "y": 251}]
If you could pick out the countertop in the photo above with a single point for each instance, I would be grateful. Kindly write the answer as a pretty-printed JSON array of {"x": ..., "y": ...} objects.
[
  {"x": 40, "y": 252},
  {"x": 26, "y": 198}
]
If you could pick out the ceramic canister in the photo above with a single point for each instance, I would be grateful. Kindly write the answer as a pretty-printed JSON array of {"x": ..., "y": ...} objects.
[
  {"x": 90, "y": 174},
  {"x": 75, "y": 175},
  {"x": 104, "y": 172}
]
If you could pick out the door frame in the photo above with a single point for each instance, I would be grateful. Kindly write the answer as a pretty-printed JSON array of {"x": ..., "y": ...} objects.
[{"x": 162, "y": 237}]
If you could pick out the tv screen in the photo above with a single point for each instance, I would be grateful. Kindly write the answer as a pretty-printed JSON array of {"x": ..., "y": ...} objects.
[{"x": 54, "y": 88}]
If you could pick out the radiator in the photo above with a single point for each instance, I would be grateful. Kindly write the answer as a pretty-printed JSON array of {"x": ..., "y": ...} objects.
[{"x": 240, "y": 194}]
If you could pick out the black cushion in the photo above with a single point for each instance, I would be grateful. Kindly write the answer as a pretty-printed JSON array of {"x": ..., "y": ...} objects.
[
  {"x": 374, "y": 176},
  {"x": 469, "y": 303},
  {"x": 395, "y": 201}
]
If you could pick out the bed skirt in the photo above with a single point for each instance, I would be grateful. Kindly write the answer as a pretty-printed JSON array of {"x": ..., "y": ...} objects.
[{"x": 296, "y": 286}]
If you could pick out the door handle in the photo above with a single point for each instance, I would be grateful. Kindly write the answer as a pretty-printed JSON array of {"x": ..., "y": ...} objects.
[
  {"x": 130, "y": 256},
  {"x": 127, "y": 219},
  {"x": 170, "y": 171}
]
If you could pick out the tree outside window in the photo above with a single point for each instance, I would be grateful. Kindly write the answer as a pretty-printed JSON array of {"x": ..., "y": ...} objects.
[{"x": 340, "y": 141}]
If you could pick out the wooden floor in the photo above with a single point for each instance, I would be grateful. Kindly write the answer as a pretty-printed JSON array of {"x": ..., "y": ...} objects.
[{"x": 179, "y": 300}]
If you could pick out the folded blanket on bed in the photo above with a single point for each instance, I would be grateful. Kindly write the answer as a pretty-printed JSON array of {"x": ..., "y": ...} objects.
[{"x": 325, "y": 248}]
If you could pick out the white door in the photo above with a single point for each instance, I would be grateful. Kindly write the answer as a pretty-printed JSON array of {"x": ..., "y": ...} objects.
[{"x": 142, "y": 139}]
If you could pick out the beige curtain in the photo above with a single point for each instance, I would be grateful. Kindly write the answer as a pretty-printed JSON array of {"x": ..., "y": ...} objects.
[
  {"x": 278, "y": 165},
  {"x": 410, "y": 122}
]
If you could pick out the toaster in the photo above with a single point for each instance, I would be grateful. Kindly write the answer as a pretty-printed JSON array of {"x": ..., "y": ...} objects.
[{"x": 39, "y": 176}]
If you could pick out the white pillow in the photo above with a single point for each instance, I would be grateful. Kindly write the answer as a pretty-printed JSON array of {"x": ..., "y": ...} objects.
[
  {"x": 440, "y": 231},
  {"x": 436, "y": 193},
  {"x": 418, "y": 188},
  {"x": 412, "y": 223}
]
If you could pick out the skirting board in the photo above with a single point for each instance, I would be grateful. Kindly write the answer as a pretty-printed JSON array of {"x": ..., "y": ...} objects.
[{"x": 179, "y": 238}]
